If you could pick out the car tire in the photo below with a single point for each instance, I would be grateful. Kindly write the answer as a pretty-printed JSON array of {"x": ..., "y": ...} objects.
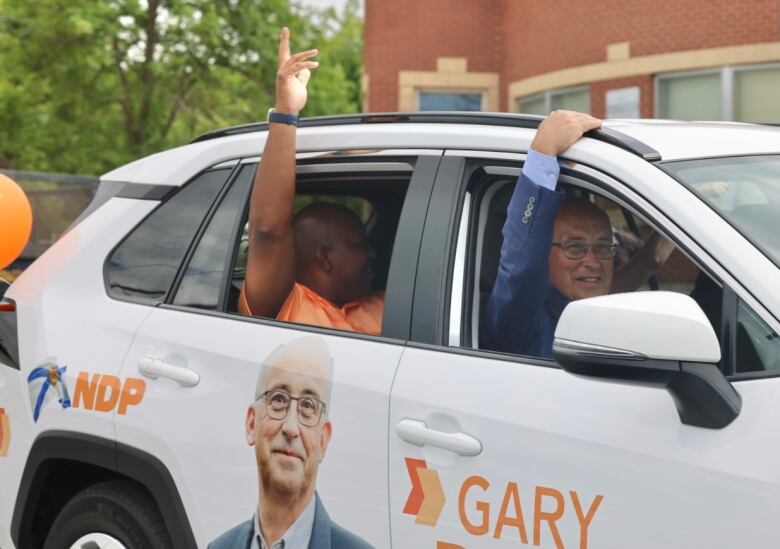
[{"x": 109, "y": 515}]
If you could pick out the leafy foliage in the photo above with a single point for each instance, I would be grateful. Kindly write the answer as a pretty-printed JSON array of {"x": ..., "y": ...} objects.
[{"x": 91, "y": 85}]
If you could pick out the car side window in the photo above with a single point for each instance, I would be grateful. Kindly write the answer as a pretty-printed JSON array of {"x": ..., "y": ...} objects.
[
  {"x": 374, "y": 191},
  {"x": 489, "y": 192},
  {"x": 362, "y": 207},
  {"x": 202, "y": 282},
  {"x": 758, "y": 346},
  {"x": 676, "y": 274},
  {"x": 143, "y": 267}
]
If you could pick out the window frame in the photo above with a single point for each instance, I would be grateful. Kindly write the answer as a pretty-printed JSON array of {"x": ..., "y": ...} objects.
[
  {"x": 422, "y": 165},
  {"x": 593, "y": 180},
  {"x": 169, "y": 195},
  {"x": 175, "y": 287}
]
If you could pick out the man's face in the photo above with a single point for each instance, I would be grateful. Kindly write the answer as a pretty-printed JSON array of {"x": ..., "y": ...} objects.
[
  {"x": 353, "y": 262},
  {"x": 288, "y": 453},
  {"x": 589, "y": 276}
]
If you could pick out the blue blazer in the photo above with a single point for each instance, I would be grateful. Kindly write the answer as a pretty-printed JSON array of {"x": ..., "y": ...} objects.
[
  {"x": 325, "y": 534},
  {"x": 522, "y": 310}
]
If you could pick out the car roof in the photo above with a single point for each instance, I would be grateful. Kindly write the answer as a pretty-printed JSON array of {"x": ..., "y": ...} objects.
[
  {"x": 679, "y": 140},
  {"x": 653, "y": 140}
]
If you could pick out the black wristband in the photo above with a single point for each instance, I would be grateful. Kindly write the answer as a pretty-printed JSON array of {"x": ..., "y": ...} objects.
[{"x": 282, "y": 118}]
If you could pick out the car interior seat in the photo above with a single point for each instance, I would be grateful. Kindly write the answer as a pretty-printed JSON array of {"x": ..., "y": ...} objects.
[{"x": 492, "y": 215}]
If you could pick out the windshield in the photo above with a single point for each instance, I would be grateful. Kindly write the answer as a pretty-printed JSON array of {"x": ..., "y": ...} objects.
[{"x": 745, "y": 190}]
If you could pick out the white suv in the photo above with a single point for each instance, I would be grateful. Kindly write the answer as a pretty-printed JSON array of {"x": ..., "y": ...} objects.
[{"x": 125, "y": 370}]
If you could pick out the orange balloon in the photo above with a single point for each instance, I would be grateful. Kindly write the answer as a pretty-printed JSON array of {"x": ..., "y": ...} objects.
[{"x": 15, "y": 220}]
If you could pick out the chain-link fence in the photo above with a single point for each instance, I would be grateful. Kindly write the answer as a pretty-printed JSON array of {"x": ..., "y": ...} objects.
[{"x": 56, "y": 200}]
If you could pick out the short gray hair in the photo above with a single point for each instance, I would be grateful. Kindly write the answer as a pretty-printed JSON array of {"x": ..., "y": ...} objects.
[{"x": 307, "y": 349}]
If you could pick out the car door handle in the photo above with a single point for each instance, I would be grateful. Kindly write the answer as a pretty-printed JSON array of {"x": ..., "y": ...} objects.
[
  {"x": 417, "y": 432},
  {"x": 152, "y": 367}
]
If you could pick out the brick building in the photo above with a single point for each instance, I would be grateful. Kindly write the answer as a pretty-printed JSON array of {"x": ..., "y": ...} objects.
[{"x": 687, "y": 59}]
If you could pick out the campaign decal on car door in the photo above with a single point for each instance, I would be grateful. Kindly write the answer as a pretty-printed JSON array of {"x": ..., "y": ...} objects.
[
  {"x": 104, "y": 393},
  {"x": 96, "y": 392},
  {"x": 46, "y": 381},
  {"x": 427, "y": 500},
  {"x": 288, "y": 428}
]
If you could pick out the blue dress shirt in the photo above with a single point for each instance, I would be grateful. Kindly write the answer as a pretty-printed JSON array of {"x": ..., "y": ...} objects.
[
  {"x": 297, "y": 535},
  {"x": 522, "y": 311}
]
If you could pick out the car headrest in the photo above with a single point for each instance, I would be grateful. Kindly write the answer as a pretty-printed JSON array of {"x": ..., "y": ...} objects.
[{"x": 492, "y": 238}]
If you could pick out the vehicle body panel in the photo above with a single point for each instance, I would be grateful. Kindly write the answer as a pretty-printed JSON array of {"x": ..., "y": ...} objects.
[
  {"x": 663, "y": 484},
  {"x": 199, "y": 431}
]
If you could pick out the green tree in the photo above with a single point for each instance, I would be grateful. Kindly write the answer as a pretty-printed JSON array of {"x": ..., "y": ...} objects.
[
  {"x": 335, "y": 87},
  {"x": 91, "y": 85}
]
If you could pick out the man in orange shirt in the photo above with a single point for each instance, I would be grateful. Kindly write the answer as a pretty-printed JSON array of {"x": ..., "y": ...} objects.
[{"x": 316, "y": 267}]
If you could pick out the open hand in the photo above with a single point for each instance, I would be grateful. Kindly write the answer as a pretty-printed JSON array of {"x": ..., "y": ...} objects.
[
  {"x": 712, "y": 189},
  {"x": 560, "y": 130},
  {"x": 292, "y": 76}
]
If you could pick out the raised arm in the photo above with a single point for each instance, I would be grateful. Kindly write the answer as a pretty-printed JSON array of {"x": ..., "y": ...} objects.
[
  {"x": 514, "y": 311},
  {"x": 270, "y": 272},
  {"x": 643, "y": 265}
]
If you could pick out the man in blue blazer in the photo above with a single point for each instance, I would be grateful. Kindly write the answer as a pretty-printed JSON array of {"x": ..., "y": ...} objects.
[
  {"x": 555, "y": 249},
  {"x": 542, "y": 266},
  {"x": 288, "y": 426}
]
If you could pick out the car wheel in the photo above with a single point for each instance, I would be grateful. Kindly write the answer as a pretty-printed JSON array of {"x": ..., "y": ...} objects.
[{"x": 110, "y": 515}]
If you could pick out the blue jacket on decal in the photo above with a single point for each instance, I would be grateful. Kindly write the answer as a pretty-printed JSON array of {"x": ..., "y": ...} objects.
[{"x": 325, "y": 534}]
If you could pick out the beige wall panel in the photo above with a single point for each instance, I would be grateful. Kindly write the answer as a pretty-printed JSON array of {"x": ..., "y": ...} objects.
[{"x": 649, "y": 64}]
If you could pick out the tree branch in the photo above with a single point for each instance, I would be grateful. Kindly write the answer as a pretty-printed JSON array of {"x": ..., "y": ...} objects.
[
  {"x": 147, "y": 74},
  {"x": 124, "y": 99},
  {"x": 185, "y": 87}
]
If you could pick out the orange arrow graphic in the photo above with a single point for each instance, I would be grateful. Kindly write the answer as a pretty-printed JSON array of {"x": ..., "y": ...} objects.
[
  {"x": 433, "y": 500},
  {"x": 415, "y": 500},
  {"x": 5, "y": 433}
]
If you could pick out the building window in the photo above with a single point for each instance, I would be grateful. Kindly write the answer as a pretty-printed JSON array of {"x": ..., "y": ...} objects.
[
  {"x": 442, "y": 101},
  {"x": 572, "y": 99},
  {"x": 535, "y": 104},
  {"x": 757, "y": 95},
  {"x": 744, "y": 94},
  {"x": 691, "y": 96}
]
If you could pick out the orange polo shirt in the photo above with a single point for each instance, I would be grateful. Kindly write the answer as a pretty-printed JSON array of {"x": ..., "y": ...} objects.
[{"x": 306, "y": 306}]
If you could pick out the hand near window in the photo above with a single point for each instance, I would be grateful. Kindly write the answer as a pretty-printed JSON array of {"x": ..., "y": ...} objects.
[
  {"x": 712, "y": 189},
  {"x": 292, "y": 76},
  {"x": 560, "y": 130},
  {"x": 639, "y": 268}
]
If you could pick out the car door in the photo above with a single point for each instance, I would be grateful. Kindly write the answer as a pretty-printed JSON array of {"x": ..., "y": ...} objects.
[
  {"x": 489, "y": 449},
  {"x": 201, "y": 363}
]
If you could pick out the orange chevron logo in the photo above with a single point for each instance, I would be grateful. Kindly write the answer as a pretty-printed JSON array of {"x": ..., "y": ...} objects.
[
  {"x": 426, "y": 500},
  {"x": 5, "y": 433}
]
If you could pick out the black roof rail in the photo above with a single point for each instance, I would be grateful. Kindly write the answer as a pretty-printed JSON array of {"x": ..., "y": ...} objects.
[
  {"x": 513, "y": 120},
  {"x": 625, "y": 142}
]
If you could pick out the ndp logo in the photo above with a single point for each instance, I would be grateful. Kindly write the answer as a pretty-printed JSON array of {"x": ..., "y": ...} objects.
[
  {"x": 96, "y": 392},
  {"x": 533, "y": 523}
]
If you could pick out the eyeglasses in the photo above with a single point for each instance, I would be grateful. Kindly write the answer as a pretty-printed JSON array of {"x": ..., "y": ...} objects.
[
  {"x": 578, "y": 249},
  {"x": 277, "y": 404}
]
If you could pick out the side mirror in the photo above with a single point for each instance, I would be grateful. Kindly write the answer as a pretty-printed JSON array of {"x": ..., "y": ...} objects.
[{"x": 655, "y": 339}]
